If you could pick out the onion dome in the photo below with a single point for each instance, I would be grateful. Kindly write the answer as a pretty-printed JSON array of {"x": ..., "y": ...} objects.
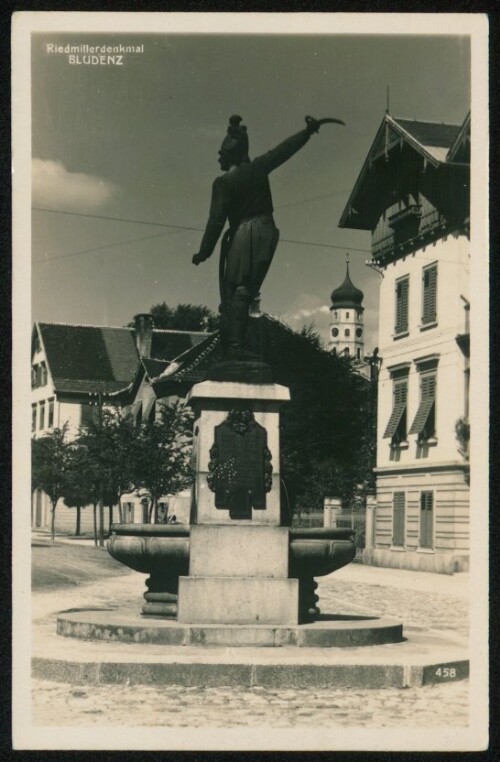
[{"x": 347, "y": 295}]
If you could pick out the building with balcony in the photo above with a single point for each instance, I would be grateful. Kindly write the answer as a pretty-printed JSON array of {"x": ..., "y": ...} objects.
[{"x": 412, "y": 194}]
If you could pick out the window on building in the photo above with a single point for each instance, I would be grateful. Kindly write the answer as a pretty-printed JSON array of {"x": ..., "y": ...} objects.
[
  {"x": 335, "y": 332},
  {"x": 429, "y": 295},
  {"x": 424, "y": 424},
  {"x": 162, "y": 513},
  {"x": 347, "y": 332},
  {"x": 402, "y": 295},
  {"x": 36, "y": 344},
  {"x": 39, "y": 375},
  {"x": 33, "y": 418},
  {"x": 347, "y": 316},
  {"x": 50, "y": 421},
  {"x": 398, "y": 519},
  {"x": 358, "y": 353},
  {"x": 359, "y": 332},
  {"x": 396, "y": 428},
  {"x": 426, "y": 519},
  {"x": 346, "y": 351},
  {"x": 42, "y": 416},
  {"x": 128, "y": 513},
  {"x": 89, "y": 414}
]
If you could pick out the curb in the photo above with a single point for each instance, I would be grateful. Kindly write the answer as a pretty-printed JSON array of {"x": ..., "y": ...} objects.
[{"x": 241, "y": 675}]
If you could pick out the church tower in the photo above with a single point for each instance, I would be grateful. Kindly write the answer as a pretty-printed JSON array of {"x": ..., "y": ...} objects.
[{"x": 346, "y": 327}]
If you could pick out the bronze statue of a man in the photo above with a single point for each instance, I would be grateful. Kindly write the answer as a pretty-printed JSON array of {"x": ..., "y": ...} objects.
[{"x": 243, "y": 196}]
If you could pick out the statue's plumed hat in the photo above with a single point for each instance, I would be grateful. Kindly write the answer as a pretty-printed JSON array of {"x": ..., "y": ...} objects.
[{"x": 236, "y": 141}]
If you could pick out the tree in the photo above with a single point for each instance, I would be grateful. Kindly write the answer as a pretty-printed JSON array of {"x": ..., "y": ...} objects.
[
  {"x": 325, "y": 439},
  {"x": 184, "y": 317},
  {"x": 162, "y": 462},
  {"x": 78, "y": 487},
  {"x": 109, "y": 443},
  {"x": 49, "y": 467}
]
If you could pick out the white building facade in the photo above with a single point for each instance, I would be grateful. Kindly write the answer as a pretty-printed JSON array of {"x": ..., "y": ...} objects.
[{"x": 413, "y": 195}]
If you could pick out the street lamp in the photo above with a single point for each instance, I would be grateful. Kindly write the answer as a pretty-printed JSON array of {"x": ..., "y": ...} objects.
[{"x": 374, "y": 362}]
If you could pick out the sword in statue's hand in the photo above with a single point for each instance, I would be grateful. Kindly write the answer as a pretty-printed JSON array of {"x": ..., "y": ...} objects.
[{"x": 313, "y": 125}]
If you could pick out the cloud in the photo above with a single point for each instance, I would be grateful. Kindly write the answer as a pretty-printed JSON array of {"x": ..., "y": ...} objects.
[
  {"x": 54, "y": 187},
  {"x": 307, "y": 310},
  {"x": 309, "y": 313}
]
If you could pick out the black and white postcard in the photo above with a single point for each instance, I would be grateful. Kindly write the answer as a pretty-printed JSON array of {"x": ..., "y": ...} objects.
[{"x": 250, "y": 299}]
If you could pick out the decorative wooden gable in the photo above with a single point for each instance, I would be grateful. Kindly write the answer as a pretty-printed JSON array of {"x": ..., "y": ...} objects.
[{"x": 409, "y": 189}]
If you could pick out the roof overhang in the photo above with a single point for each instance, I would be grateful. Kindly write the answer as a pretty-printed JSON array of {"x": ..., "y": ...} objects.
[{"x": 356, "y": 214}]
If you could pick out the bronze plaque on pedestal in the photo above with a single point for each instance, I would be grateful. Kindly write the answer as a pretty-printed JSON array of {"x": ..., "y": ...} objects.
[{"x": 240, "y": 465}]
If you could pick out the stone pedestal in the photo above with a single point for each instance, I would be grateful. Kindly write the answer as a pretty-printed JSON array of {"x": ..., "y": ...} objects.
[
  {"x": 239, "y": 554},
  {"x": 239, "y": 575},
  {"x": 238, "y": 600},
  {"x": 331, "y": 509}
]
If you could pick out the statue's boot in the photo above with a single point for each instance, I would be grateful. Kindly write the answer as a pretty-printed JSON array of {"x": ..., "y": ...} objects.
[{"x": 237, "y": 326}]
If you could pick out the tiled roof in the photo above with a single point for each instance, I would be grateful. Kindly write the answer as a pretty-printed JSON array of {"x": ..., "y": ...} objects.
[
  {"x": 89, "y": 358},
  {"x": 430, "y": 133},
  {"x": 190, "y": 367},
  {"x": 432, "y": 140},
  {"x": 154, "y": 367},
  {"x": 167, "y": 345},
  {"x": 460, "y": 149},
  {"x": 83, "y": 358}
]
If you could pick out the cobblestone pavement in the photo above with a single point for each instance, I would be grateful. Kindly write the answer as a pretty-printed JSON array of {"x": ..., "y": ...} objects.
[
  {"x": 176, "y": 706},
  {"x": 414, "y": 608}
]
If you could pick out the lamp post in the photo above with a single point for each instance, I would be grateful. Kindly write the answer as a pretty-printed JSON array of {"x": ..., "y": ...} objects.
[
  {"x": 374, "y": 361},
  {"x": 98, "y": 402}
]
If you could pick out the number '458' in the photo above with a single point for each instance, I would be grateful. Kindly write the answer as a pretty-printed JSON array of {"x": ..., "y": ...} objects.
[{"x": 446, "y": 672}]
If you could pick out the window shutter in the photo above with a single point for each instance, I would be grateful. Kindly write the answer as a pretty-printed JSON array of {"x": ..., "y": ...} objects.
[
  {"x": 42, "y": 416},
  {"x": 51, "y": 414},
  {"x": 430, "y": 295},
  {"x": 402, "y": 305},
  {"x": 426, "y": 518},
  {"x": 428, "y": 387},
  {"x": 427, "y": 399},
  {"x": 398, "y": 528},
  {"x": 398, "y": 410}
]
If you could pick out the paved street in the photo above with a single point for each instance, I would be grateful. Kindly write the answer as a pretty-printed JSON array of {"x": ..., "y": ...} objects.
[
  {"x": 61, "y": 704},
  {"x": 402, "y": 594}
]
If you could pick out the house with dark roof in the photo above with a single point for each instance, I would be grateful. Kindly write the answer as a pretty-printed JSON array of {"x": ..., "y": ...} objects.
[
  {"x": 73, "y": 367},
  {"x": 412, "y": 194}
]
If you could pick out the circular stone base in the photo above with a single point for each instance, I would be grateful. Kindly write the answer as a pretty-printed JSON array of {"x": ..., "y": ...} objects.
[{"x": 129, "y": 627}]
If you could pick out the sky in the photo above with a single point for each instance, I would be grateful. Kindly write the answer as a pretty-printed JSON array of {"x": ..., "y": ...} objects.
[{"x": 139, "y": 142}]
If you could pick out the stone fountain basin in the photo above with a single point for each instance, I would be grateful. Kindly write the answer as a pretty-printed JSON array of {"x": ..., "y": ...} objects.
[{"x": 163, "y": 549}]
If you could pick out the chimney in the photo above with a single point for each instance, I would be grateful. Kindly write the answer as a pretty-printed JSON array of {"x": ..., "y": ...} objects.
[{"x": 143, "y": 327}]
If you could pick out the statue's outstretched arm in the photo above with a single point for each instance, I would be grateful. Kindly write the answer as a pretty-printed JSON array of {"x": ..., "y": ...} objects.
[{"x": 284, "y": 151}]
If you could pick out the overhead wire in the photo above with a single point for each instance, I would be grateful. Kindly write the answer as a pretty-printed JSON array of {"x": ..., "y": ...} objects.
[
  {"x": 101, "y": 248},
  {"x": 159, "y": 224}
]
